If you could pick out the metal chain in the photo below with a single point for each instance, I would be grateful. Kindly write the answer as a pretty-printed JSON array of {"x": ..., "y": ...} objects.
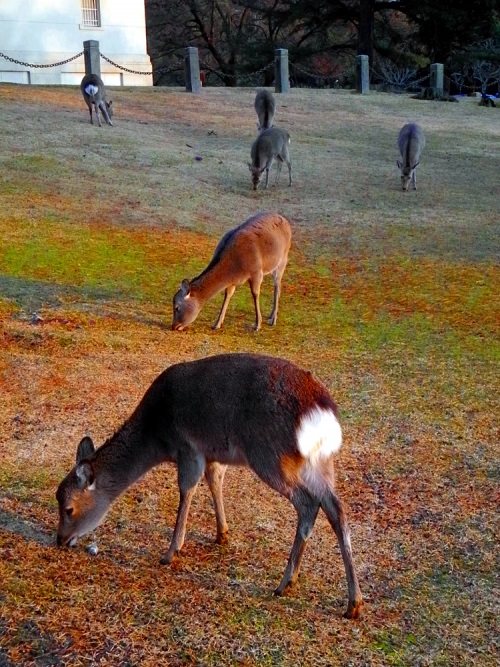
[
  {"x": 19, "y": 62},
  {"x": 132, "y": 71},
  {"x": 457, "y": 85},
  {"x": 235, "y": 76},
  {"x": 413, "y": 82},
  {"x": 315, "y": 75}
]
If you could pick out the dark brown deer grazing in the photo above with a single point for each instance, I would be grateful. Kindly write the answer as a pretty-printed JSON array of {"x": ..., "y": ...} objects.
[
  {"x": 265, "y": 108},
  {"x": 94, "y": 94},
  {"x": 237, "y": 409},
  {"x": 247, "y": 253}
]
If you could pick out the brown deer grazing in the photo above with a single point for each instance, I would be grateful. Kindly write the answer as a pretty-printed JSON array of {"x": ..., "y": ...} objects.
[
  {"x": 94, "y": 94},
  {"x": 238, "y": 409},
  {"x": 270, "y": 145},
  {"x": 265, "y": 108},
  {"x": 247, "y": 253},
  {"x": 411, "y": 142}
]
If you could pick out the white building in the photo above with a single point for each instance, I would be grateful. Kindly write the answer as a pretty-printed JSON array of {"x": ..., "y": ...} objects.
[{"x": 44, "y": 32}]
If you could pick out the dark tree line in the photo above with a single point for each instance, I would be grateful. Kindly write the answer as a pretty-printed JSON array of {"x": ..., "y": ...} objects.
[{"x": 238, "y": 37}]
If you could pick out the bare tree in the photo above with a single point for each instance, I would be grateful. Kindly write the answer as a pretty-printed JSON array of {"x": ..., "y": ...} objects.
[{"x": 397, "y": 78}]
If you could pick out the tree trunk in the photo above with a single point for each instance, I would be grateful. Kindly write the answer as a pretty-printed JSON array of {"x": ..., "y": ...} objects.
[{"x": 365, "y": 29}]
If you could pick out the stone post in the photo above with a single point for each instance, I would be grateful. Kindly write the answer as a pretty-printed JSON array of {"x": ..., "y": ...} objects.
[
  {"x": 92, "y": 57},
  {"x": 282, "y": 79},
  {"x": 192, "y": 70},
  {"x": 362, "y": 74},
  {"x": 437, "y": 79}
]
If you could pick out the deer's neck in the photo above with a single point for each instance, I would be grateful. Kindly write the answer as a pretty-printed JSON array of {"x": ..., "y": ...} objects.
[
  {"x": 208, "y": 284},
  {"x": 126, "y": 457}
]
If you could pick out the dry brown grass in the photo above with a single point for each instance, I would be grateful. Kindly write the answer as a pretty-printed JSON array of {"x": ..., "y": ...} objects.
[{"x": 390, "y": 298}]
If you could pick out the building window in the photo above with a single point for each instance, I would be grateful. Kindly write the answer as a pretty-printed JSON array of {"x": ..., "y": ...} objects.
[{"x": 91, "y": 16}]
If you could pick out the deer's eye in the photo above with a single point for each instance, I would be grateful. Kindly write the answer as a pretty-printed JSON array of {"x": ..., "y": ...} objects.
[{"x": 69, "y": 511}]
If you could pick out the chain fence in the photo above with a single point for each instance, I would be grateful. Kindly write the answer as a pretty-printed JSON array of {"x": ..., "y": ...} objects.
[
  {"x": 240, "y": 78},
  {"x": 125, "y": 69},
  {"x": 459, "y": 85},
  {"x": 68, "y": 60},
  {"x": 304, "y": 75},
  {"x": 317, "y": 77},
  {"x": 36, "y": 66}
]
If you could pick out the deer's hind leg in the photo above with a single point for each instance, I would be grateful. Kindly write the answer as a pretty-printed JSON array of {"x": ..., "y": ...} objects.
[
  {"x": 334, "y": 510},
  {"x": 307, "y": 509},
  {"x": 279, "y": 164}
]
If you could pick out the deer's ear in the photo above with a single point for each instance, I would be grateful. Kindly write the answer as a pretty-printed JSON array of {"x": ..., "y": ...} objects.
[
  {"x": 85, "y": 449},
  {"x": 185, "y": 287},
  {"x": 84, "y": 475}
]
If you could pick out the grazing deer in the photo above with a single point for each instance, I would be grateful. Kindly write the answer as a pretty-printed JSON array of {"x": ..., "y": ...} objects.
[
  {"x": 238, "y": 409},
  {"x": 265, "y": 107},
  {"x": 411, "y": 142},
  {"x": 247, "y": 253},
  {"x": 94, "y": 94},
  {"x": 270, "y": 145}
]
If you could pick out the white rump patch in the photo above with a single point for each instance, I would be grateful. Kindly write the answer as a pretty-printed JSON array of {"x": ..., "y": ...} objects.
[
  {"x": 91, "y": 90},
  {"x": 319, "y": 434}
]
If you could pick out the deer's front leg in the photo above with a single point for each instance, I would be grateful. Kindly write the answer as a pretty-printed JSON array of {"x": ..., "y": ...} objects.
[
  {"x": 190, "y": 467},
  {"x": 214, "y": 474}
]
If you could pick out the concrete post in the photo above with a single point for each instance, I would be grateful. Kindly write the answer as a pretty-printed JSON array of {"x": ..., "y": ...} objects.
[
  {"x": 437, "y": 79},
  {"x": 282, "y": 78},
  {"x": 362, "y": 74},
  {"x": 92, "y": 57},
  {"x": 192, "y": 70}
]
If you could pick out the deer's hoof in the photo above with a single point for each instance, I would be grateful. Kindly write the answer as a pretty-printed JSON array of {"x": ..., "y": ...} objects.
[
  {"x": 169, "y": 558},
  {"x": 283, "y": 589},
  {"x": 222, "y": 539},
  {"x": 353, "y": 610}
]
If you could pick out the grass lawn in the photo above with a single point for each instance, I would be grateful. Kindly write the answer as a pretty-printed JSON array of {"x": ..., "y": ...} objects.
[{"x": 390, "y": 298}]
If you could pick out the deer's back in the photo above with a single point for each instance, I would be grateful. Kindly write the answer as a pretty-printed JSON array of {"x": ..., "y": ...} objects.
[
  {"x": 269, "y": 143},
  {"x": 233, "y": 401},
  {"x": 411, "y": 141},
  {"x": 260, "y": 243}
]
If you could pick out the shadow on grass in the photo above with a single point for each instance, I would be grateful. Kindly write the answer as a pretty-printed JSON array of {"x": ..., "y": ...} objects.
[
  {"x": 32, "y": 294},
  {"x": 16, "y": 524}
]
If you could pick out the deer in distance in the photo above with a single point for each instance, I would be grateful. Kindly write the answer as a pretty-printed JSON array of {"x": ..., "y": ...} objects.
[
  {"x": 265, "y": 108},
  {"x": 248, "y": 252},
  {"x": 250, "y": 410},
  {"x": 411, "y": 142},
  {"x": 94, "y": 94},
  {"x": 272, "y": 144}
]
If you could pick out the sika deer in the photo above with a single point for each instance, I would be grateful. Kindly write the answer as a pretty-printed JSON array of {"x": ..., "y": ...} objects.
[
  {"x": 249, "y": 252},
  {"x": 265, "y": 107},
  {"x": 239, "y": 409},
  {"x": 270, "y": 145},
  {"x": 94, "y": 94},
  {"x": 411, "y": 142}
]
